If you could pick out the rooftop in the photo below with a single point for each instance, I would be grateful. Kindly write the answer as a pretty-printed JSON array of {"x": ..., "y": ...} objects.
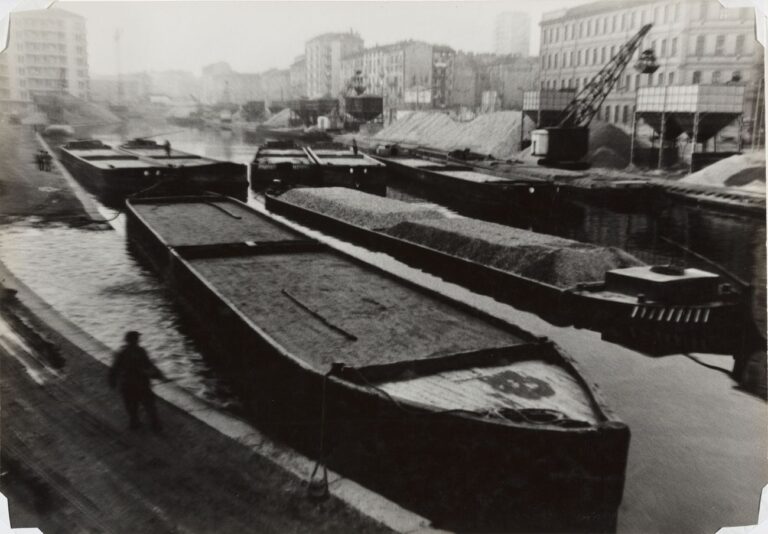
[{"x": 594, "y": 8}]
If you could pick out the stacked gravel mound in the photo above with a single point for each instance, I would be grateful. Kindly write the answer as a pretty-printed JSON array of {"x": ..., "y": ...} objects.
[
  {"x": 554, "y": 260},
  {"x": 362, "y": 209}
]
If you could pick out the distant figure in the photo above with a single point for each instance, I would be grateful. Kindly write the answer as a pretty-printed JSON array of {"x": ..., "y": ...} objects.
[
  {"x": 354, "y": 146},
  {"x": 47, "y": 160},
  {"x": 131, "y": 372},
  {"x": 167, "y": 147},
  {"x": 39, "y": 160}
]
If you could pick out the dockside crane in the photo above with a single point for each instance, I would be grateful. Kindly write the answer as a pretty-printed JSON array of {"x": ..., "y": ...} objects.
[{"x": 567, "y": 143}]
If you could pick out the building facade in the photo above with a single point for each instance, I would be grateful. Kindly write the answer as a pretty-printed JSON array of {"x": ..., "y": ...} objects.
[
  {"x": 512, "y": 35},
  {"x": 695, "y": 42},
  {"x": 391, "y": 70},
  {"x": 46, "y": 54},
  {"x": 323, "y": 55}
]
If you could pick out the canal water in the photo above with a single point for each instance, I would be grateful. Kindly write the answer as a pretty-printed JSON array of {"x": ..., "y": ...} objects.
[{"x": 697, "y": 457}]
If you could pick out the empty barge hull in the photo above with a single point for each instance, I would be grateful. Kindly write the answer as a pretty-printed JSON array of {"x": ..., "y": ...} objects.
[{"x": 459, "y": 415}]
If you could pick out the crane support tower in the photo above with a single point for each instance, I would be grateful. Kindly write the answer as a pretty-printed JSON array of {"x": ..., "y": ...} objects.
[{"x": 568, "y": 142}]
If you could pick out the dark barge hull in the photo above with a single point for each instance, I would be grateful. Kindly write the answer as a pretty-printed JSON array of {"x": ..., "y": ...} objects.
[
  {"x": 511, "y": 477},
  {"x": 111, "y": 186},
  {"x": 369, "y": 179},
  {"x": 502, "y": 198},
  {"x": 651, "y": 327}
]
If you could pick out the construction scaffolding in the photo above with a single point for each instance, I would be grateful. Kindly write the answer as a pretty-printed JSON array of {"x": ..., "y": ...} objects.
[{"x": 699, "y": 111}]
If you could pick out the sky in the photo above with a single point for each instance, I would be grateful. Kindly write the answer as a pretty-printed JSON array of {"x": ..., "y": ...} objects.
[{"x": 253, "y": 36}]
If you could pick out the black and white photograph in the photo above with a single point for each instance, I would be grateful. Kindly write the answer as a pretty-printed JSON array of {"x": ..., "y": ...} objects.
[{"x": 364, "y": 267}]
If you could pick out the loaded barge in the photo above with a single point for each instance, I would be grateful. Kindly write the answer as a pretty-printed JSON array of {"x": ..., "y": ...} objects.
[
  {"x": 319, "y": 165},
  {"x": 655, "y": 308},
  {"x": 203, "y": 173},
  {"x": 455, "y": 413}
]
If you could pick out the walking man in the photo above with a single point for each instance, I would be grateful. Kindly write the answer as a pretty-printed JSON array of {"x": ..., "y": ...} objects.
[
  {"x": 131, "y": 372},
  {"x": 167, "y": 147},
  {"x": 354, "y": 146},
  {"x": 47, "y": 159}
]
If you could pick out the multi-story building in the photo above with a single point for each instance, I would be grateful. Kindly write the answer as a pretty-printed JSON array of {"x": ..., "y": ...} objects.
[
  {"x": 401, "y": 70},
  {"x": 323, "y": 56},
  {"x": 510, "y": 76},
  {"x": 46, "y": 54},
  {"x": 443, "y": 60},
  {"x": 390, "y": 70},
  {"x": 695, "y": 42},
  {"x": 298, "y": 77},
  {"x": 513, "y": 34}
]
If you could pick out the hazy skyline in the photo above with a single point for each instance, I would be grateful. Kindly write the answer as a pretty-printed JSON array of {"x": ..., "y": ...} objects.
[{"x": 256, "y": 36}]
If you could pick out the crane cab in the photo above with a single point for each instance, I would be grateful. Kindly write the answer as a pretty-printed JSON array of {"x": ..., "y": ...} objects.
[{"x": 559, "y": 144}]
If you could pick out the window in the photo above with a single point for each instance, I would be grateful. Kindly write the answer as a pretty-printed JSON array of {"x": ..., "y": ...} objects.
[
  {"x": 602, "y": 55},
  {"x": 623, "y": 21},
  {"x": 625, "y": 115},
  {"x": 700, "y": 42},
  {"x": 703, "y": 10},
  {"x": 696, "y": 77},
  {"x": 589, "y": 28},
  {"x": 716, "y": 76},
  {"x": 628, "y": 82},
  {"x": 613, "y": 51},
  {"x": 663, "y": 52},
  {"x": 637, "y": 82},
  {"x": 607, "y": 115},
  {"x": 720, "y": 45},
  {"x": 673, "y": 52},
  {"x": 657, "y": 15},
  {"x": 671, "y": 79},
  {"x": 616, "y": 113},
  {"x": 739, "y": 45},
  {"x": 555, "y": 60},
  {"x": 661, "y": 79},
  {"x": 594, "y": 56},
  {"x": 632, "y": 20},
  {"x": 578, "y": 63}
]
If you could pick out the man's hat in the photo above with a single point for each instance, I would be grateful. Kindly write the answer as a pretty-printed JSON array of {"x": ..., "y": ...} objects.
[{"x": 132, "y": 335}]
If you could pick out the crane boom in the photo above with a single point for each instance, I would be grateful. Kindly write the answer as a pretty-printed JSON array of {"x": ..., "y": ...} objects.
[{"x": 582, "y": 109}]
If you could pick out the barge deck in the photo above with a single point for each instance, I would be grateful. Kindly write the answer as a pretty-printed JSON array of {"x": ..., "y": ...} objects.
[{"x": 503, "y": 431}]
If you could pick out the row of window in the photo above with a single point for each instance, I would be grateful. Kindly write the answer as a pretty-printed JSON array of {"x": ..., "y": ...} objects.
[
  {"x": 43, "y": 59},
  {"x": 663, "y": 48},
  {"x": 632, "y": 83},
  {"x": 629, "y": 20},
  {"x": 32, "y": 22}
]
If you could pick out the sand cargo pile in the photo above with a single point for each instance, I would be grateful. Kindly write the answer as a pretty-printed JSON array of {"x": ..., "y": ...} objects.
[
  {"x": 359, "y": 208},
  {"x": 546, "y": 258}
]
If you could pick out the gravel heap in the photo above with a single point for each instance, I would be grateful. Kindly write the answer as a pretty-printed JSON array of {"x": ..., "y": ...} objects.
[
  {"x": 361, "y": 209},
  {"x": 496, "y": 133},
  {"x": 550, "y": 259},
  {"x": 744, "y": 170}
]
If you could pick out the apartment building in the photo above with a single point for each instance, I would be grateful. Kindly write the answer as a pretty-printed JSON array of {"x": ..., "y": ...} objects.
[
  {"x": 323, "y": 55},
  {"x": 298, "y": 77},
  {"x": 46, "y": 54},
  {"x": 695, "y": 42}
]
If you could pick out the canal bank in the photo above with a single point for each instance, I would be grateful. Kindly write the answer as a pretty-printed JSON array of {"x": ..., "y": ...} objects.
[{"x": 72, "y": 465}]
